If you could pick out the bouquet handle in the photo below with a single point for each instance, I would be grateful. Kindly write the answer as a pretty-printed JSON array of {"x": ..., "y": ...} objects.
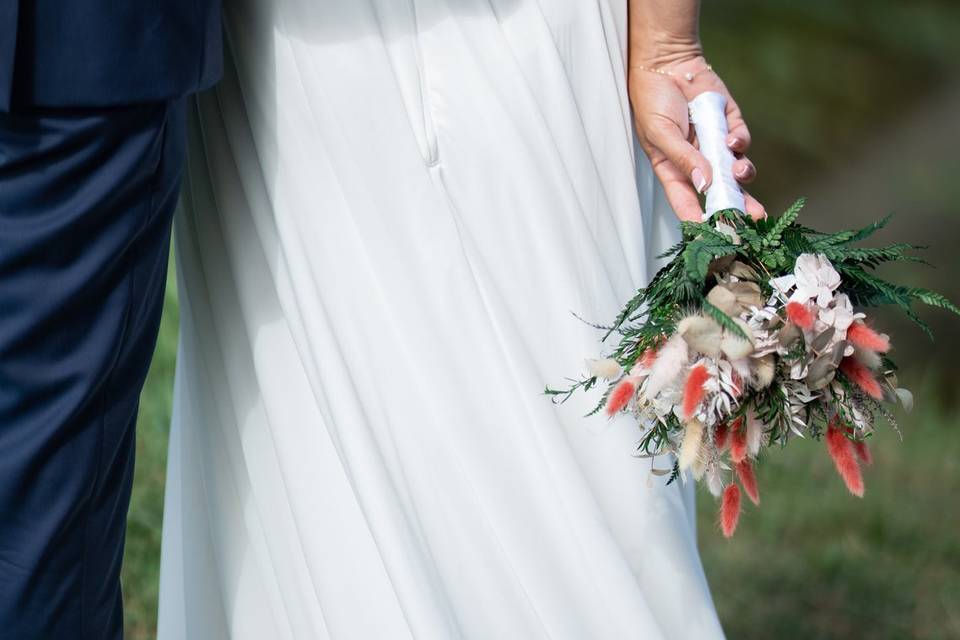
[{"x": 708, "y": 115}]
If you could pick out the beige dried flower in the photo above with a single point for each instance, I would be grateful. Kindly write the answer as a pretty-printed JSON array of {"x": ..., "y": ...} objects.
[
  {"x": 703, "y": 334},
  {"x": 606, "y": 368},
  {"x": 735, "y": 347},
  {"x": 764, "y": 370},
  {"x": 733, "y": 298},
  {"x": 690, "y": 447}
]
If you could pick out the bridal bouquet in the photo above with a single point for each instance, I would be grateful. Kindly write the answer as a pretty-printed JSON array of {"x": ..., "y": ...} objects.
[{"x": 752, "y": 335}]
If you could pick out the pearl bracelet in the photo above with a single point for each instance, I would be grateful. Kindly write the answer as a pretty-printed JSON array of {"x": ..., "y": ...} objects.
[{"x": 689, "y": 76}]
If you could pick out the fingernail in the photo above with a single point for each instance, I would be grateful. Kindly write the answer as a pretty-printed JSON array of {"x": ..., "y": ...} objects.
[
  {"x": 699, "y": 182},
  {"x": 733, "y": 143},
  {"x": 743, "y": 171}
]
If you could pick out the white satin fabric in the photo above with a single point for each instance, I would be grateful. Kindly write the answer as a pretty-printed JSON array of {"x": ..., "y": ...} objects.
[
  {"x": 391, "y": 209},
  {"x": 708, "y": 113}
]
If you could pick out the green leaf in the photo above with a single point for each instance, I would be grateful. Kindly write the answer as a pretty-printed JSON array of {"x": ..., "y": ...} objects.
[
  {"x": 672, "y": 251},
  {"x": 847, "y": 237},
  {"x": 785, "y": 220},
  {"x": 700, "y": 253},
  {"x": 934, "y": 299},
  {"x": 871, "y": 229},
  {"x": 724, "y": 320},
  {"x": 872, "y": 256}
]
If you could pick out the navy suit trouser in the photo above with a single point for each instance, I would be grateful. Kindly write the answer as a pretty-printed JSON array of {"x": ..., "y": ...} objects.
[{"x": 86, "y": 202}]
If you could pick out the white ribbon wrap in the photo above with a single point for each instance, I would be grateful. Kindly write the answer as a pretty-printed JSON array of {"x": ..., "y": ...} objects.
[{"x": 709, "y": 118}]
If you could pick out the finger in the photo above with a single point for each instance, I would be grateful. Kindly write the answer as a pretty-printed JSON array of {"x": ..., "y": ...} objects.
[
  {"x": 680, "y": 193},
  {"x": 754, "y": 209},
  {"x": 744, "y": 171},
  {"x": 738, "y": 136},
  {"x": 667, "y": 137}
]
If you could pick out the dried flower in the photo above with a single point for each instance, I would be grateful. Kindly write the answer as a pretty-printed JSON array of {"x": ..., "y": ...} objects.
[
  {"x": 906, "y": 399},
  {"x": 714, "y": 479},
  {"x": 606, "y": 368},
  {"x": 815, "y": 279},
  {"x": 764, "y": 369},
  {"x": 862, "y": 336},
  {"x": 693, "y": 390},
  {"x": 861, "y": 376},
  {"x": 733, "y": 298},
  {"x": 730, "y": 509},
  {"x": 735, "y": 347},
  {"x": 754, "y": 435},
  {"x": 841, "y": 450},
  {"x": 838, "y": 314},
  {"x": 702, "y": 334},
  {"x": 716, "y": 395},
  {"x": 669, "y": 363},
  {"x": 721, "y": 436},
  {"x": 727, "y": 230},
  {"x": 799, "y": 314},
  {"x": 738, "y": 441},
  {"x": 621, "y": 395},
  {"x": 690, "y": 446},
  {"x": 748, "y": 479}
]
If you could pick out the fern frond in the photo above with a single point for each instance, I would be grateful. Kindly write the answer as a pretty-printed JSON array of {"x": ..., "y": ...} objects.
[{"x": 784, "y": 221}]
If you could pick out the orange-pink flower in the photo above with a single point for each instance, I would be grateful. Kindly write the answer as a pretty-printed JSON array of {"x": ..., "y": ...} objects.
[
  {"x": 800, "y": 315},
  {"x": 648, "y": 357},
  {"x": 842, "y": 451},
  {"x": 862, "y": 377},
  {"x": 721, "y": 436},
  {"x": 621, "y": 395},
  {"x": 730, "y": 509},
  {"x": 860, "y": 335},
  {"x": 693, "y": 390},
  {"x": 738, "y": 441},
  {"x": 749, "y": 480}
]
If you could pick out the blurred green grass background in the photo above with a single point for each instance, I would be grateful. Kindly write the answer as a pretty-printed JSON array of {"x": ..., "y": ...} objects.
[{"x": 853, "y": 104}]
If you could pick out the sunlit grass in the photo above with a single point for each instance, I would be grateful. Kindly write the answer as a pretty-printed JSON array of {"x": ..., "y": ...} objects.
[{"x": 815, "y": 562}]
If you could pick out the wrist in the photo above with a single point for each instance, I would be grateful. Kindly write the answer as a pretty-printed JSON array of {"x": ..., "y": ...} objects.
[{"x": 659, "y": 50}]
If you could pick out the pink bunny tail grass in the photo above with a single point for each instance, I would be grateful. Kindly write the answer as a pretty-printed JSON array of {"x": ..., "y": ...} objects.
[
  {"x": 648, "y": 358},
  {"x": 738, "y": 441},
  {"x": 862, "y": 377},
  {"x": 748, "y": 478},
  {"x": 860, "y": 335},
  {"x": 730, "y": 509},
  {"x": 800, "y": 315},
  {"x": 693, "y": 391},
  {"x": 863, "y": 452},
  {"x": 844, "y": 459},
  {"x": 620, "y": 396},
  {"x": 721, "y": 436}
]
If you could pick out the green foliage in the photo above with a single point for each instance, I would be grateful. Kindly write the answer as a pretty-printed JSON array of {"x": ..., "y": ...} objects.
[
  {"x": 782, "y": 223},
  {"x": 770, "y": 247},
  {"x": 774, "y": 245}
]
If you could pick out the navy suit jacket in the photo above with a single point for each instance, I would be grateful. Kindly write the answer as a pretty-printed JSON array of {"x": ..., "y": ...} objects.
[{"x": 95, "y": 53}]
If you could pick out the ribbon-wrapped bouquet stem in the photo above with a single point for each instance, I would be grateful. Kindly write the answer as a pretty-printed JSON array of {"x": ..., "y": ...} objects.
[{"x": 753, "y": 334}]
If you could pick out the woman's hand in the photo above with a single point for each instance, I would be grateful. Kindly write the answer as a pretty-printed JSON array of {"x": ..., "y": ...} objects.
[{"x": 662, "y": 121}]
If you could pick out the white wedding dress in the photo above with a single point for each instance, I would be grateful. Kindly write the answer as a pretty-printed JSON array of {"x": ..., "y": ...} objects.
[{"x": 391, "y": 209}]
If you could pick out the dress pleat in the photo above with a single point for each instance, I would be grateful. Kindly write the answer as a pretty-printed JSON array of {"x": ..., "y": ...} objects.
[{"x": 392, "y": 211}]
